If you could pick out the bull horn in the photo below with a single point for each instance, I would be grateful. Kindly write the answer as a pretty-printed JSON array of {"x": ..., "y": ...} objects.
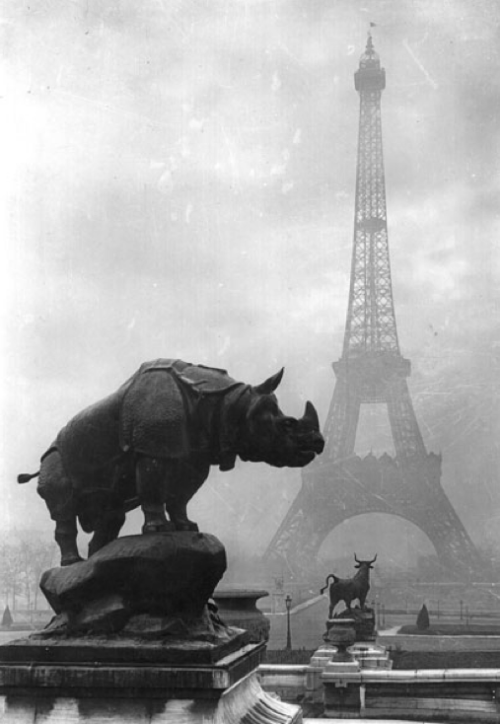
[
  {"x": 374, "y": 559},
  {"x": 268, "y": 387},
  {"x": 356, "y": 559},
  {"x": 311, "y": 416}
]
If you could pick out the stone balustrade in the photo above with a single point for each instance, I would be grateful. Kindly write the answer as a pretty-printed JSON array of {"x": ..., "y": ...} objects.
[{"x": 413, "y": 695}]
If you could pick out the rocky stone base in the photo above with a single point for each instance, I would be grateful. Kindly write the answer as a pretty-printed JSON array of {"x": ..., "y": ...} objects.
[
  {"x": 152, "y": 586},
  {"x": 112, "y": 623}
]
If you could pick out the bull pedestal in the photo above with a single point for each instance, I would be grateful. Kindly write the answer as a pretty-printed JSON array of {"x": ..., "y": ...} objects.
[
  {"x": 340, "y": 699},
  {"x": 363, "y": 622},
  {"x": 136, "y": 639}
]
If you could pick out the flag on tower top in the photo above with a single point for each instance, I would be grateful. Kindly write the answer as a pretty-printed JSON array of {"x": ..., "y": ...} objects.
[{"x": 373, "y": 25}]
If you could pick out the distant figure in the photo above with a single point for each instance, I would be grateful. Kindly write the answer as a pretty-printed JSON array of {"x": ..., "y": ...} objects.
[
  {"x": 7, "y": 620},
  {"x": 423, "y": 621}
]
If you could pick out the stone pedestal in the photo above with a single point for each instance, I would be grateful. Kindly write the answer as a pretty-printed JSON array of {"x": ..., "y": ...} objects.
[
  {"x": 74, "y": 683},
  {"x": 340, "y": 698},
  {"x": 341, "y": 695},
  {"x": 317, "y": 664},
  {"x": 137, "y": 640},
  {"x": 341, "y": 677}
]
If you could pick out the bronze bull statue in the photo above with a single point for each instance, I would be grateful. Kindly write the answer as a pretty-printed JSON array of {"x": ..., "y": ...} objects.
[
  {"x": 350, "y": 589},
  {"x": 151, "y": 444}
]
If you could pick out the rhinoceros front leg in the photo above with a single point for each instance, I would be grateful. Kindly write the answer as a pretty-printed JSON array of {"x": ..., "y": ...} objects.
[
  {"x": 177, "y": 512},
  {"x": 167, "y": 484},
  {"x": 182, "y": 483},
  {"x": 150, "y": 480}
]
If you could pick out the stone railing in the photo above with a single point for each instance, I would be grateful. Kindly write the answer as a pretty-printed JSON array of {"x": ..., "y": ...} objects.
[{"x": 415, "y": 695}]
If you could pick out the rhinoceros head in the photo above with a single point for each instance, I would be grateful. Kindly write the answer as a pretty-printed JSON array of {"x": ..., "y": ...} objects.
[{"x": 270, "y": 436}]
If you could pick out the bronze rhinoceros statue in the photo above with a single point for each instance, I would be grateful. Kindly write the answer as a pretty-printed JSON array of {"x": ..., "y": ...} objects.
[{"x": 152, "y": 442}]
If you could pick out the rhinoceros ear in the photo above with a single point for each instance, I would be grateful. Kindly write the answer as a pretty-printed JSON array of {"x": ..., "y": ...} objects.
[{"x": 268, "y": 387}]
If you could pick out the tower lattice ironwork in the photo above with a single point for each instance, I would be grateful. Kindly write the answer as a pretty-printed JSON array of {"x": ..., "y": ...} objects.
[{"x": 339, "y": 484}]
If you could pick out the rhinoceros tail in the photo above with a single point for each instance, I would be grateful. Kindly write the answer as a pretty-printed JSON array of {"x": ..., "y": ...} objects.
[{"x": 26, "y": 477}]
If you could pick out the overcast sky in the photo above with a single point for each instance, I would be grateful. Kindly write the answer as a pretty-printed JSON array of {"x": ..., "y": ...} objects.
[{"x": 177, "y": 180}]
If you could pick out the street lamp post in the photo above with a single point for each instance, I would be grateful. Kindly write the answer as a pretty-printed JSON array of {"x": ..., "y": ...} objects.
[{"x": 288, "y": 603}]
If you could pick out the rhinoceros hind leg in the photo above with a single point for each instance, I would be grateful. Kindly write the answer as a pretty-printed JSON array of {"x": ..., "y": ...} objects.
[
  {"x": 56, "y": 490},
  {"x": 66, "y": 540},
  {"x": 107, "y": 530}
]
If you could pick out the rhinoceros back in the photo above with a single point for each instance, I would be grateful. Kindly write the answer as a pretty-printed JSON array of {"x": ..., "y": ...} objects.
[
  {"x": 157, "y": 412},
  {"x": 168, "y": 410},
  {"x": 154, "y": 414}
]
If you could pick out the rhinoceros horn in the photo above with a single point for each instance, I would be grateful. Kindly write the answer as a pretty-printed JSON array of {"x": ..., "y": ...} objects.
[
  {"x": 310, "y": 416},
  {"x": 268, "y": 387}
]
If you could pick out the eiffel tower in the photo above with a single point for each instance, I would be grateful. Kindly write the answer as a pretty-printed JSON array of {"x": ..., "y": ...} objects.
[{"x": 339, "y": 484}]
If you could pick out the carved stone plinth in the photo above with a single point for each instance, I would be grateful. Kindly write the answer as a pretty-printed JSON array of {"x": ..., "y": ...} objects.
[
  {"x": 136, "y": 639},
  {"x": 340, "y": 699},
  {"x": 42, "y": 683}
]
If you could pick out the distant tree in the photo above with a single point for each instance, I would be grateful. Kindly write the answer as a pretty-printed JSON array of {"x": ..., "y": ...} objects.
[
  {"x": 7, "y": 618},
  {"x": 10, "y": 572},
  {"x": 43, "y": 556},
  {"x": 423, "y": 621},
  {"x": 35, "y": 556},
  {"x": 23, "y": 558}
]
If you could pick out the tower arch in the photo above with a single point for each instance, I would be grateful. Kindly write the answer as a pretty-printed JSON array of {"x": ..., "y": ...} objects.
[{"x": 398, "y": 541}]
